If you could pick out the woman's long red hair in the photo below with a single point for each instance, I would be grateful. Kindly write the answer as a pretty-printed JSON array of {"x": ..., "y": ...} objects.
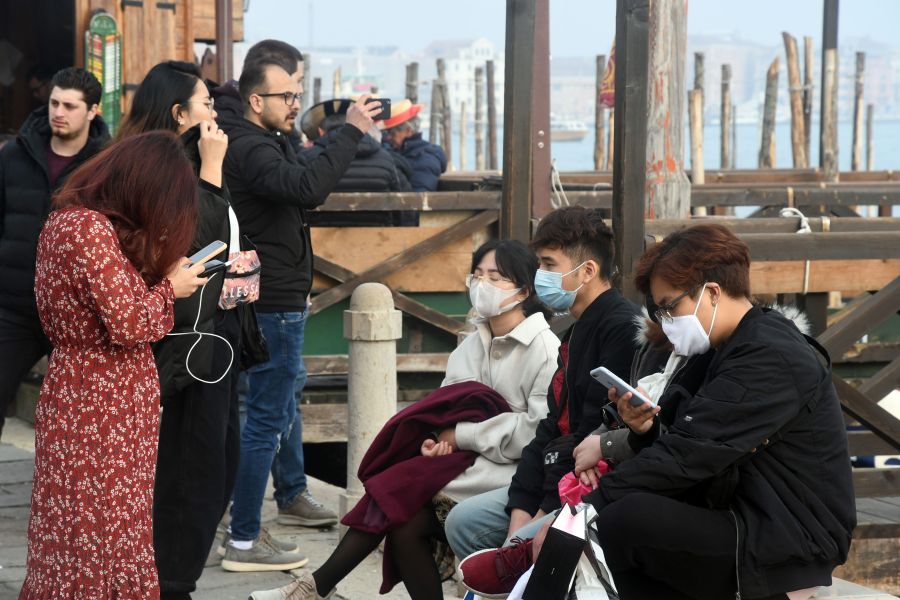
[{"x": 146, "y": 187}]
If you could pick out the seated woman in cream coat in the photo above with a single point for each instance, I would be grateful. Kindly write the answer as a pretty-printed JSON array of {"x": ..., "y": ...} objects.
[{"x": 512, "y": 351}]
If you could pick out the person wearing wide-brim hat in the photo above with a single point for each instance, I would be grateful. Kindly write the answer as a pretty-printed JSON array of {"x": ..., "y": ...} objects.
[
  {"x": 401, "y": 134},
  {"x": 313, "y": 119},
  {"x": 374, "y": 168}
]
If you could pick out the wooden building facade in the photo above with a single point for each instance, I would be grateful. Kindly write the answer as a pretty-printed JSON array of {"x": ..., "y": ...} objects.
[{"x": 51, "y": 33}]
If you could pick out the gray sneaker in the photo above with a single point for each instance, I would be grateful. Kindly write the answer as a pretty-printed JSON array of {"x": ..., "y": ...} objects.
[
  {"x": 306, "y": 511},
  {"x": 262, "y": 556},
  {"x": 303, "y": 588},
  {"x": 264, "y": 535}
]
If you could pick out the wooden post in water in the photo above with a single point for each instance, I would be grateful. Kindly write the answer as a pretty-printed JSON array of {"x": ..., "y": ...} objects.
[
  {"x": 725, "y": 119},
  {"x": 435, "y": 111},
  {"x": 734, "y": 145},
  {"x": 696, "y": 106},
  {"x": 491, "y": 117},
  {"x": 336, "y": 84},
  {"x": 795, "y": 91},
  {"x": 599, "y": 117},
  {"x": 446, "y": 117},
  {"x": 767, "y": 145},
  {"x": 462, "y": 135},
  {"x": 695, "y": 114},
  {"x": 307, "y": 77},
  {"x": 807, "y": 93},
  {"x": 317, "y": 90},
  {"x": 630, "y": 166},
  {"x": 828, "y": 141},
  {"x": 856, "y": 155},
  {"x": 610, "y": 140},
  {"x": 870, "y": 156},
  {"x": 699, "y": 75},
  {"x": 479, "y": 119},
  {"x": 412, "y": 82},
  {"x": 668, "y": 188}
]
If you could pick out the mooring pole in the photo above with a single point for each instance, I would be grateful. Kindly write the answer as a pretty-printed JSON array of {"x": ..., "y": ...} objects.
[
  {"x": 526, "y": 118},
  {"x": 630, "y": 154},
  {"x": 828, "y": 143}
]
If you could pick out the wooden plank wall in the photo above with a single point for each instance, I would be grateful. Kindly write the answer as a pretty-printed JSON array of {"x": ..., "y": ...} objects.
[
  {"x": 205, "y": 20},
  {"x": 151, "y": 33}
]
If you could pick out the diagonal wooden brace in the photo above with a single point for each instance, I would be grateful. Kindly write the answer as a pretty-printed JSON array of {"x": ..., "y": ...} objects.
[
  {"x": 407, "y": 257},
  {"x": 405, "y": 303}
]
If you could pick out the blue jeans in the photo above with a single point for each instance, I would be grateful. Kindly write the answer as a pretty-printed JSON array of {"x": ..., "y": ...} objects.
[
  {"x": 481, "y": 522},
  {"x": 271, "y": 424}
]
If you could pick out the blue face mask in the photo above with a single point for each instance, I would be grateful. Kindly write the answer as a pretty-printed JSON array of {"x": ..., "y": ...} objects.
[{"x": 548, "y": 286}]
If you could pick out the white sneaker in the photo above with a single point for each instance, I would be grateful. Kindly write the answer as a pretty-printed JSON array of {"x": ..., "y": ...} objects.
[{"x": 303, "y": 588}]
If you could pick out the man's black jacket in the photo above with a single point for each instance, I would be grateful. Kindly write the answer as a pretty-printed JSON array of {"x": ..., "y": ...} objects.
[
  {"x": 25, "y": 203},
  {"x": 766, "y": 426},
  {"x": 604, "y": 335},
  {"x": 172, "y": 351},
  {"x": 271, "y": 190}
]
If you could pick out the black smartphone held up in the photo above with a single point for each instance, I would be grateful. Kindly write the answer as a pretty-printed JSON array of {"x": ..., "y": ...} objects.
[
  {"x": 211, "y": 267},
  {"x": 204, "y": 254},
  {"x": 385, "y": 108}
]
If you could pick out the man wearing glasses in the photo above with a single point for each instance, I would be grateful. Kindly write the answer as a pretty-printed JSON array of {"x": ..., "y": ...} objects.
[{"x": 271, "y": 190}]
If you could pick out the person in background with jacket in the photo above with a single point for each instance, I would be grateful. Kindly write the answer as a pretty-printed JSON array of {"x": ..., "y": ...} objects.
[
  {"x": 421, "y": 161},
  {"x": 199, "y": 430},
  {"x": 514, "y": 352},
  {"x": 373, "y": 169},
  {"x": 54, "y": 141},
  {"x": 271, "y": 191},
  {"x": 748, "y": 493}
]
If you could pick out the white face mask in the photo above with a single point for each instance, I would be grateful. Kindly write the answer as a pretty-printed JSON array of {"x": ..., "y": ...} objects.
[
  {"x": 687, "y": 334},
  {"x": 486, "y": 298}
]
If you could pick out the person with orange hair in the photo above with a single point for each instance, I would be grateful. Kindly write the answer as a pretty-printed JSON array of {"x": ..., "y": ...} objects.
[{"x": 109, "y": 266}]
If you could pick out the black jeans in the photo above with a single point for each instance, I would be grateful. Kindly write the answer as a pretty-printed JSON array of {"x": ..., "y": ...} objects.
[
  {"x": 657, "y": 547},
  {"x": 199, "y": 445},
  {"x": 22, "y": 343}
]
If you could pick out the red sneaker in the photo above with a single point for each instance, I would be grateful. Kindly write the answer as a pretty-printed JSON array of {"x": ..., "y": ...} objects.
[{"x": 493, "y": 573}]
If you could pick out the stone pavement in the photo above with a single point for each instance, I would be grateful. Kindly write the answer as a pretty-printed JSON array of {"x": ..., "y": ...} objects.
[{"x": 16, "y": 466}]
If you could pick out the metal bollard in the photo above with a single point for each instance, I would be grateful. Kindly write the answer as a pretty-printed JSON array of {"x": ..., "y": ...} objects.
[{"x": 372, "y": 326}]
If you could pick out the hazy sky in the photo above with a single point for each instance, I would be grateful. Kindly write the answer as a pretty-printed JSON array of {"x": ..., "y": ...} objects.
[{"x": 578, "y": 27}]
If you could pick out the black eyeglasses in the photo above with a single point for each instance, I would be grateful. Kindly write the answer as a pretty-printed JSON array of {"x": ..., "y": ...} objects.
[
  {"x": 664, "y": 311},
  {"x": 289, "y": 97}
]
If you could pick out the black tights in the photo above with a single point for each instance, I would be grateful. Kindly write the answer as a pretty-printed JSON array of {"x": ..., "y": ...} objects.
[{"x": 410, "y": 549}]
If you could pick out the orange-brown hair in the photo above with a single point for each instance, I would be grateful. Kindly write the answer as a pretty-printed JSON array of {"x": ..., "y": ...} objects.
[
  {"x": 693, "y": 256},
  {"x": 146, "y": 187}
]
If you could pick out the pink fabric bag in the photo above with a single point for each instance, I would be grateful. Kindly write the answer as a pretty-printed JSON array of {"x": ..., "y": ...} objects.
[{"x": 571, "y": 489}]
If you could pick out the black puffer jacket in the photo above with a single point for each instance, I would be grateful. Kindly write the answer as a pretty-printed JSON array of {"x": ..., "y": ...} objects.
[
  {"x": 271, "y": 190},
  {"x": 25, "y": 203},
  {"x": 373, "y": 169},
  {"x": 172, "y": 351},
  {"x": 763, "y": 437}
]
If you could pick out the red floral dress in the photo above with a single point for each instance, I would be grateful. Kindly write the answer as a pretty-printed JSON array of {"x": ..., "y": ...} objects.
[{"x": 90, "y": 535}]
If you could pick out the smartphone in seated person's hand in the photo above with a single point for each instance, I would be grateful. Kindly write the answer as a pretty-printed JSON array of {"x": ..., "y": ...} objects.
[{"x": 608, "y": 379}]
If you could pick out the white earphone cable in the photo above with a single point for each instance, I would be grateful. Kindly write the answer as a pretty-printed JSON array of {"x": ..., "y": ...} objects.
[{"x": 200, "y": 334}]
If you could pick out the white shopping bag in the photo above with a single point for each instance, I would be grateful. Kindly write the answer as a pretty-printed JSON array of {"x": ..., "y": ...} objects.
[{"x": 519, "y": 589}]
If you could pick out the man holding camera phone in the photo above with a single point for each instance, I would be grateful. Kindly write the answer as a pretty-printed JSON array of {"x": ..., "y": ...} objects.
[{"x": 271, "y": 191}]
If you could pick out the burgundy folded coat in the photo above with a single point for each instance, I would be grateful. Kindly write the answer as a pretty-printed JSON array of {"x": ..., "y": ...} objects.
[{"x": 399, "y": 481}]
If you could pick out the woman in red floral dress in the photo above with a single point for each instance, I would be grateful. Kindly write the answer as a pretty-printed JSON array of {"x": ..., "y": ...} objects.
[{"x": 109, "y": 267}]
